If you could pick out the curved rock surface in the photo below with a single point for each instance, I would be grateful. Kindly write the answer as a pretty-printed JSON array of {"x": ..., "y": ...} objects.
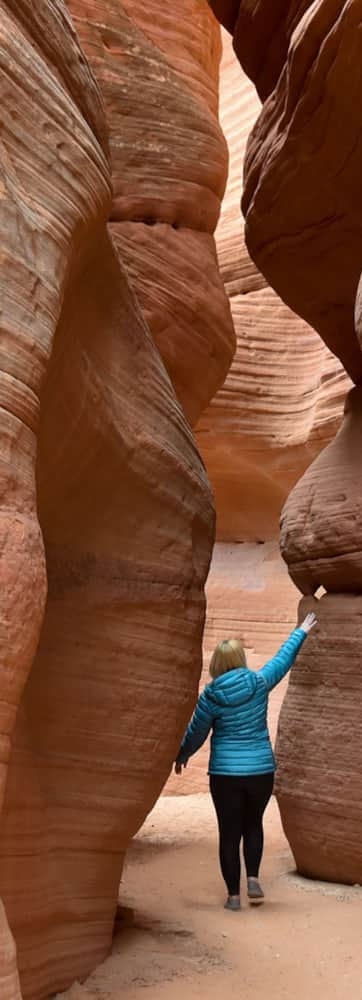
[
  {"x": 302, "y": 191},
  {"x": 321, "y": 524},
  {"x": 119, "y": 512},
  {"x": 301, "y": 198},
  {"x": 158, "y": 77},
  {"x": 283, "y": 397},
  {"x": 319, "y": 747},
  {"x": 188, "y": 37}
]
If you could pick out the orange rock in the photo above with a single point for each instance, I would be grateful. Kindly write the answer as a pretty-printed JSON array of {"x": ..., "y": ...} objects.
[
  {"x": 321, "y": 524},
  {"x": 9, "y": 976},
  {"x": 301, "y": 197},
  {"x": 283, "y": 397},
  {"x": 169, "y": 166},
  {"x": 319, "y": 748},
  {"x": 303, "y": 229},
  {"x": 119, "y": 510}
]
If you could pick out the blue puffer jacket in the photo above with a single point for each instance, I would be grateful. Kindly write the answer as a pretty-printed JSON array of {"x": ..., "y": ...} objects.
[{"x": 235, "y": 707}]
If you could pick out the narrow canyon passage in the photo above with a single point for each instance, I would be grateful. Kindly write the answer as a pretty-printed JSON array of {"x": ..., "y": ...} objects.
[
  {"x": 180, "y": 942},
  {"x": 180, "y": 377}
]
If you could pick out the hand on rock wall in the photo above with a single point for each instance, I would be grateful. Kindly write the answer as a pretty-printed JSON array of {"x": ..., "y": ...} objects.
[
  {"x": 309, "y": 622},
  {"x": 302, "y": 195}
]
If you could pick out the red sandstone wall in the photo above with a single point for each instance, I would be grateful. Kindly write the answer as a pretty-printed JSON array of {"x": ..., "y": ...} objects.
[
  {"x": 102, "y": 566},
  {"x": 282, "y": 400},
  {"x": 157, "y": 70}
]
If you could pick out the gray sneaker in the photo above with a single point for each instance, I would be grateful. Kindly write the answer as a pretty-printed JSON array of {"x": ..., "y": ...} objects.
[
  {"x": 232, "y": 903},
  {"x": 255, "y": 892}
]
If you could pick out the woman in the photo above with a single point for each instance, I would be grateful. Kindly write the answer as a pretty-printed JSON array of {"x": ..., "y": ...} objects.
[{"x": 242, "y": 764}]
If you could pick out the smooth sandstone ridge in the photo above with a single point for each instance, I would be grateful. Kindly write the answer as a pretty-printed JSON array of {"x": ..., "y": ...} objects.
[
  {"x": 158, "y": 75},
  {"x": 302, "y": 176},
  {"x": 249, "y": 596},
  {"x": 319, "y": 743},
  {"x": 301, "y": 197},
  {"x": 106, "y": 524},
  {"x": 261, "y": 34},
  {"x": 321, "y": 524}
]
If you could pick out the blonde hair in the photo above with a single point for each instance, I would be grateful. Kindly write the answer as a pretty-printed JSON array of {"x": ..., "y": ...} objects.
[{"x": 228, "y": 655}]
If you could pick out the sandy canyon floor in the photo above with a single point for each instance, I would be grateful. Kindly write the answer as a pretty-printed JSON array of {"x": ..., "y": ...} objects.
[{"x": 176, "y": 941}]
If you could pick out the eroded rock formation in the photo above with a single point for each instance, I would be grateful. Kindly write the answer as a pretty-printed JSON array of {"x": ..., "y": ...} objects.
[
  {"x": 158, "y": 74},
  {"x": 283, "y": 397},
  {"x": 319, "y": 746},
  {"x": 117, "y": 522},
  {"x": 302, "y": 192},
  {"x": 301, "y": 196},
  {"x": 303, "y": 229},
  {"x": 261, "y": 34},
  {"x": 321, "y": 525}
]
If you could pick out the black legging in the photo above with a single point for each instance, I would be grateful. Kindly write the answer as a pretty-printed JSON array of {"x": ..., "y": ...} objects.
[{"x": 240, "y": 802}]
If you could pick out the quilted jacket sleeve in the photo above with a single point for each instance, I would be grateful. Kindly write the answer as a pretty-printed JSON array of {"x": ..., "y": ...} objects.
[
  {"x": 197, "y": 731},
  {"x": 278, "y": 666}
]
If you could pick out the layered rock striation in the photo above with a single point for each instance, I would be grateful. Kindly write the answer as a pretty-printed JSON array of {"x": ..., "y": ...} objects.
[
  {"x": 158, "y": 74},
  {"x": 301, "y": 196},
  {"x": 319, "y": 745},
  {"x": 283, "y": 397},
  {"x": 106, "y": 523}
]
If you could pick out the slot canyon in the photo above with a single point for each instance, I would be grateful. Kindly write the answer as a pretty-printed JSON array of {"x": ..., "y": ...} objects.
[{"x": 181, "y": 408}]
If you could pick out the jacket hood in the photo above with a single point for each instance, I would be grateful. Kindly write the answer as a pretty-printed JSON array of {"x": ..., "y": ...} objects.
[{"x": 233, "y": 688}]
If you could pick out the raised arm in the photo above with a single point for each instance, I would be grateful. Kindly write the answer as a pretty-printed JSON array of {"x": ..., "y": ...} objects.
[
  {"x": 197, "y": 731},
  {"x": 278, "y": 666}
]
